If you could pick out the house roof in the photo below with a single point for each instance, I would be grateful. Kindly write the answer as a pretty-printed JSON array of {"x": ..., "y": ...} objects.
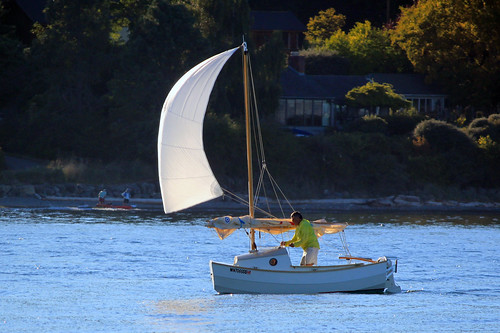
[
  {"x": 407, "y": 84},
  {"x": 296, "y": 85},
  {"x": 275, "y": 20}
]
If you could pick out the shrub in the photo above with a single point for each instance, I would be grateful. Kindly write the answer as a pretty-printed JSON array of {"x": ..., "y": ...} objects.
[
  {"x": 494, "y": 119},
  {"x": 491, "y": 159},
  {"x": 447, "y": 155},
  {"x": 368, "y": 124},
  {"x": 400, "y": 124},
  {"x": 483, "y": 127},
  {"x": 479, "y": 123},
  {"x": 443, "y": 137}
]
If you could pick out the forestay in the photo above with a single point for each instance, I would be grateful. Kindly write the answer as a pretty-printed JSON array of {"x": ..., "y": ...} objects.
[{"x": 185, "y": 175}]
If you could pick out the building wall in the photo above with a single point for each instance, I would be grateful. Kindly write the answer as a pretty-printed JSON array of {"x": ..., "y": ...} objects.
[
  {"x": 309, "y": 112},
  {"x": 326, "y": 113}
]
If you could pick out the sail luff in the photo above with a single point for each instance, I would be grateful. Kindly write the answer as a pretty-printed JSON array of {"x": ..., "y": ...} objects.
[{"x": 186, "y": 178}]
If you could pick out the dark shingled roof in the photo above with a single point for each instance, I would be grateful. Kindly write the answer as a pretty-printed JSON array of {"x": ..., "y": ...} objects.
[
  {"x": 274, "y": 20},
  {"x": 296, "y": 85},
  {"x": 407, "y": 83}
]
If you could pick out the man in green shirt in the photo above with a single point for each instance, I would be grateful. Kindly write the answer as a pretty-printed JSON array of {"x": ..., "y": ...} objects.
[{"x": 305, "y": 237}]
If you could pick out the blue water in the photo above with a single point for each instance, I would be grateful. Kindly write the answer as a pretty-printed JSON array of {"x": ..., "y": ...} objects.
[{"x": 103, "y": 271}]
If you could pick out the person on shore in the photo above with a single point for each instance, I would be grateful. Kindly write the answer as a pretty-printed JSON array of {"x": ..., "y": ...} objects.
[
  {"x": 126, "y": 196},
  {"x": 306, "y": 238},
  {"x": 102, "y": 197}
]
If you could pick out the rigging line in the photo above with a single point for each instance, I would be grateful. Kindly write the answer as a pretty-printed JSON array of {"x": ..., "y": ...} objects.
[
  {"x": 343, "y": 240},
  {"x": 245, "y": 202},
  {"x": 248, "y": 234},
  {"x": 257, "y": 120},
  {"x": 260, "y": 185},
  {"x": 264, "y": 169},
  {"x": 259, "y": 142},
  {"x": 235, "y": 198},
  {"x": 258, "y": 139},
  {"x": 276, "y": 239},
  {"x": 274, "y": 185},
  {"x": 280, "y": 190},
  {"x": 254, "y": 121}
]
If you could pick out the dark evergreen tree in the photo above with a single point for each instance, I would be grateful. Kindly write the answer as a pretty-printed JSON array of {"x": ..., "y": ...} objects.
[
  {"x": 72, "y": 61},
  {"x": 162, "y": 44}
]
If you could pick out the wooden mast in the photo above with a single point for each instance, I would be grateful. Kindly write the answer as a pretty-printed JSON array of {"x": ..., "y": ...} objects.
[{"x": 251, "y": 210}]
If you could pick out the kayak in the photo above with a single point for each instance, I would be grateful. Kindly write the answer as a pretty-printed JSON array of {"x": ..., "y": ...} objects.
[{"x": 113, "y": 206}]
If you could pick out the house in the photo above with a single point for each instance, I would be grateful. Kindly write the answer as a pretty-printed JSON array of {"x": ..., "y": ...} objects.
[
  {"x": 313, "y": 102},
  {"x": 265, "y": 23}
]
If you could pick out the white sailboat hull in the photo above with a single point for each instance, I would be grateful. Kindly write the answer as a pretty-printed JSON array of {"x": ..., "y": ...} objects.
[{"x": 357, "y": 277}]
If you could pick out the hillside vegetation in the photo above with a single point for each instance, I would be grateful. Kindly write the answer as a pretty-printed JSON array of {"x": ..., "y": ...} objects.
[{"x": 84, "y": 92}]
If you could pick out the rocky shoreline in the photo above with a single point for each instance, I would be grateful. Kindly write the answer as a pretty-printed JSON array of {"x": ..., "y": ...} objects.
[
  {"x": 146, "y": 190},
  {"x": 146, "y": 195}
]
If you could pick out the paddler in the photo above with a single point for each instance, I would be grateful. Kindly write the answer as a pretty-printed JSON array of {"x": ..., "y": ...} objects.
[
  {"x": 102, "y": 197},
  {"x": 126, "y": 196}
]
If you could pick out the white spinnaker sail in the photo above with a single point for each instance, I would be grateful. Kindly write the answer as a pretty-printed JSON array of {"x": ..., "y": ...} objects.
[{"x": 185, "y": 175}]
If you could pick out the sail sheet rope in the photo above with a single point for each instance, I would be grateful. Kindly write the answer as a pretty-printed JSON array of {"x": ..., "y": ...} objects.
[
  {"x": 264, "y": 174},
  {"x": 264, "y": 171},
  {"x": 344, "y": 244}
]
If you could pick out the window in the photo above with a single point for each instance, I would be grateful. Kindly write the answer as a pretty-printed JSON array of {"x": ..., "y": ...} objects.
[
  {"x": 317, "y": 113},
  {"x": 308, "y": 112},
  {"x": 304, "y": 112}
]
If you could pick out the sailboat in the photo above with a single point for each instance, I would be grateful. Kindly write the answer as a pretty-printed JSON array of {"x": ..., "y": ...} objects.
[{"x": 186, "y": 179}]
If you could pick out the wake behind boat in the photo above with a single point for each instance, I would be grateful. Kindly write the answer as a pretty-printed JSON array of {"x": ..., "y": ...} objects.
[{"x": 186, "y": 179}]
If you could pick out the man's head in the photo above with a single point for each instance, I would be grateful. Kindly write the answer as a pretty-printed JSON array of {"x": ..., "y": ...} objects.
[{"x": 296, "y": 217}]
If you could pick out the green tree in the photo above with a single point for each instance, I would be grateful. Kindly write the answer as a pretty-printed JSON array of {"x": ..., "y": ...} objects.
[
  {"x": 322, "y": 26},
  {"x": 368, "y": 50},
  {"x": 222, "y": 22},
  {"x": 162, "y": 45},
  {"x": 457, "y": 44},
  {"x": 267, "y": 63},
  {"x": 72, "y": 61},
  {"x": 375, "y": 94},
  {"x": 13, "y": 82},
  {"x": 12, "y": 62},
  {"x": 324, "y": 62}
]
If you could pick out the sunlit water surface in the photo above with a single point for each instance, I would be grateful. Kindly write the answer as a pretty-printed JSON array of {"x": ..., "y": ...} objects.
[{"x": 64, "y": 270}]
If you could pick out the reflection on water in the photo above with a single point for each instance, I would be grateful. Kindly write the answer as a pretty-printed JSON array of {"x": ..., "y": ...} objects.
[{"x": 182, "y": 315}]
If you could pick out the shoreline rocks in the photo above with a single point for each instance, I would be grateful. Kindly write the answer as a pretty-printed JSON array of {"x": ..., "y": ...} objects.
[
  {"x": 147, "y": 195},
  {"x": 139, "y": 190}
]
